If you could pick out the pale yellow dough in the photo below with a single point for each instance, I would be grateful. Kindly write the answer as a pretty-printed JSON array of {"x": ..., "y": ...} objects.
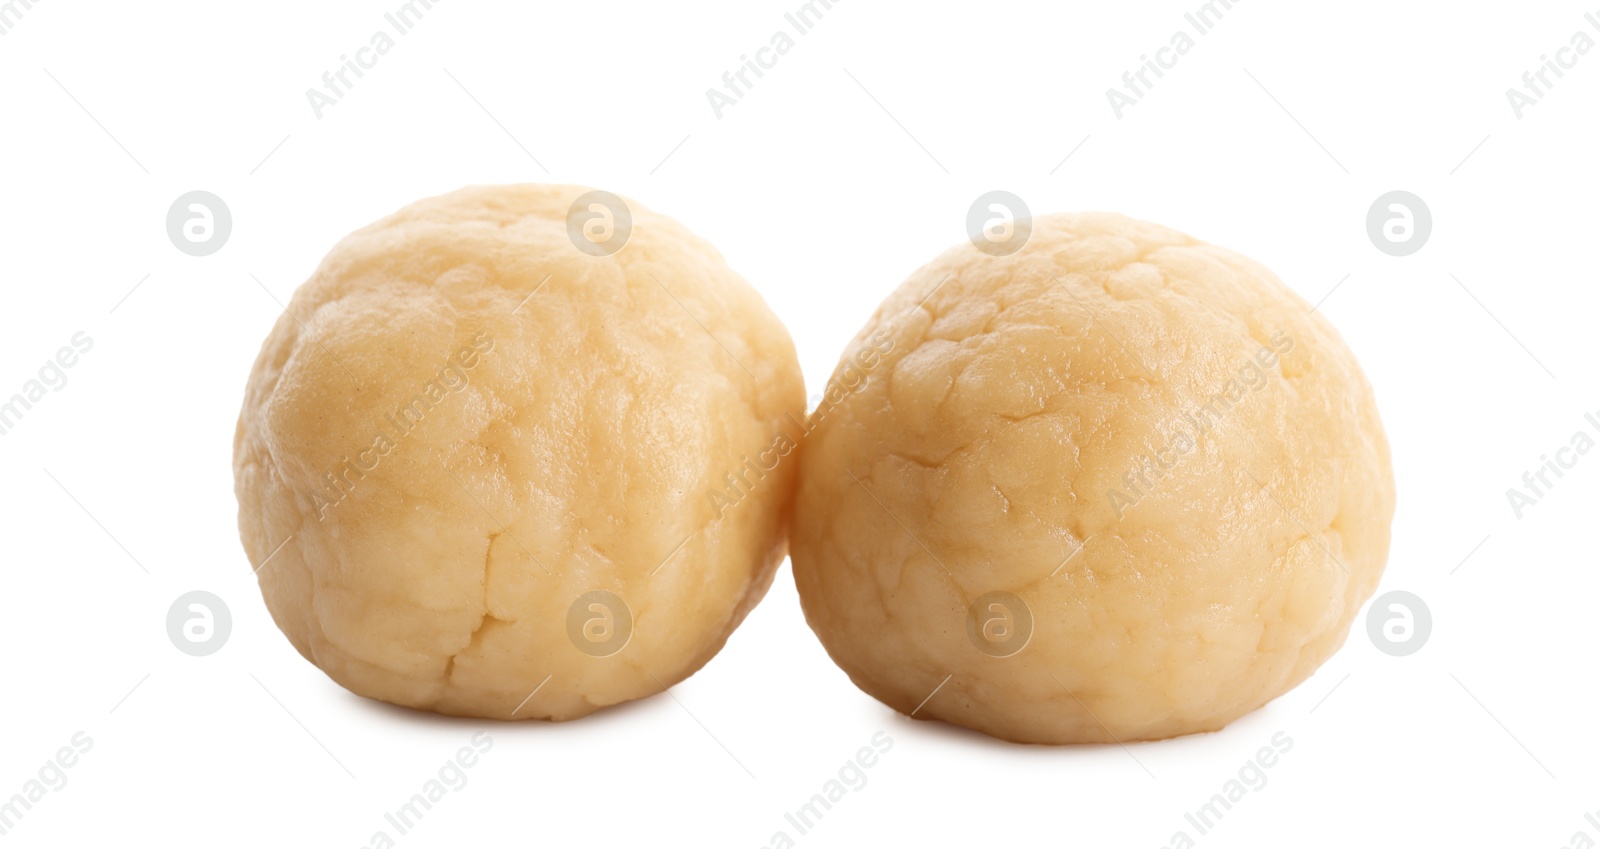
[
  {"x": 997, "y": 437},
  {"x": 578, "y": 411}
]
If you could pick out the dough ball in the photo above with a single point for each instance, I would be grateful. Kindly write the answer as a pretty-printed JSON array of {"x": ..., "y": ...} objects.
[
  {"x": 1119, "y": 485},
  {"x": 489, "y": 456}
]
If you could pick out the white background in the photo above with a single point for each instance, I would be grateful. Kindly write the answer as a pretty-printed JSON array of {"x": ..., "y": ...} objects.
[{"x": 816, "y": 194}]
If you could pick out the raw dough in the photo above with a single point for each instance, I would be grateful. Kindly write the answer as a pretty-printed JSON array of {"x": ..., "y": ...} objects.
[
  {"x": 1057, "y": 398},
  {"x": 464, "y": 426}
]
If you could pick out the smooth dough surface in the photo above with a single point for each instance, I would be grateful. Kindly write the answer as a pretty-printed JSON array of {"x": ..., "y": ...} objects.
[
  {"x": 1026, "y": 435},
  {"x": 463, "y": 424}
]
